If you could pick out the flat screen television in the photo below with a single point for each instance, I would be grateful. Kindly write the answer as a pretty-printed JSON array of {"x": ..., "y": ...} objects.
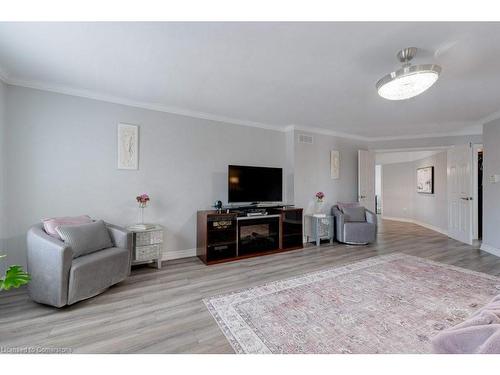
[{"x": 254, "y": 184}]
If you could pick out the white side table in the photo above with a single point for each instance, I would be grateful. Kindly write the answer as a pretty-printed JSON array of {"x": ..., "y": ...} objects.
[
  {"x": 147, "y": 245},
  {"x": 319, "y": 228}
]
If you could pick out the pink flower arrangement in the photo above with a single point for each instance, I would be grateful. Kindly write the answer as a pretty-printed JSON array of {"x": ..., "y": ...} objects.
[
  {"x": 143, "y": 200},
  {"x": 319, "y": 196}
]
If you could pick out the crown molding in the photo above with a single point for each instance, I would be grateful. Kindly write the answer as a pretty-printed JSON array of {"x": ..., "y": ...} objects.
[
  {"x": 138, "y": 104},
  {"x": 474, "y": 128},
  {"x": 333, "y": 133},
  {"x": 469, "y": 129}
]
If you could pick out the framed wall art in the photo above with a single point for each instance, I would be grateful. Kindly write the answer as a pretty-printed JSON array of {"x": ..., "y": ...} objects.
[
  {"x": 425, "y": 180},
  {"x": 334, "y": 164},
  {"x": 128, "y": 146}
]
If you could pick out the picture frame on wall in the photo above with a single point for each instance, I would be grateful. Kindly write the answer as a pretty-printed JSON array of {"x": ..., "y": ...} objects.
[
  {"x": 128, "y": 146},
  {"x": 334, "y": 164},
  {"x": 425, "y": 180}
]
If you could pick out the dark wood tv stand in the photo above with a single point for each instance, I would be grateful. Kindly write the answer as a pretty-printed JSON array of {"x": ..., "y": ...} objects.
[{"x": 228, "y": 236}]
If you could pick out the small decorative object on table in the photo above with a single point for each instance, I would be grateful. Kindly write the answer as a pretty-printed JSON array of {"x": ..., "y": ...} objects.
[
  {"x": 318, "y": 206},
  {"x": 147, "y": 244},
  {"x": 143, "y": 200},
  {"x": 218, "y": 206}
]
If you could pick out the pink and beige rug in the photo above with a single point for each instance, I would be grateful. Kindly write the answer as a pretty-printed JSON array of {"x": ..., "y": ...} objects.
[{"x": 386, "y": 304}]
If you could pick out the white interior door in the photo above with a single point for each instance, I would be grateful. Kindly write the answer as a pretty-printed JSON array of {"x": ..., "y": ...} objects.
[
  {"x": 460, "y": 193},
  {"x": 366, "y": 179}
]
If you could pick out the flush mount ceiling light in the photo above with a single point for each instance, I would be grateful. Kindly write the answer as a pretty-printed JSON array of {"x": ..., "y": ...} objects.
[{"x": 410, "y": 80}]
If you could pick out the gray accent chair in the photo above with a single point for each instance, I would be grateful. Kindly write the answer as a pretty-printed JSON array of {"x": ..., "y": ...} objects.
[
  {"x": 58, "y": 280},
  {"x": 355, "y": 232}
]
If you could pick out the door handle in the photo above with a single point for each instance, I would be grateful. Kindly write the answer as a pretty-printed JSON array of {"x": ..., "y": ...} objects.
[
  {"x": 362, "y": 197},
  {"x": 467, "y": 198}
]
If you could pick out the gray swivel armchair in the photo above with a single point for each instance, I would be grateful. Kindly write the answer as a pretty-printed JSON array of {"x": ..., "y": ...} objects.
[
  {"x": 354, "y": 225},
  {"x": 59, "y": 279}
]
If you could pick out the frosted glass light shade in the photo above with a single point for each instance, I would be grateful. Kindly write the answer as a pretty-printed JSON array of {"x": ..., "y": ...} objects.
[{"x": 408, "y": 82}]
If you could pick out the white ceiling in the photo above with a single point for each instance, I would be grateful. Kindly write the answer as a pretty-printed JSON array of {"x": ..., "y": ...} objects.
[{"x": 319, "y": 75}]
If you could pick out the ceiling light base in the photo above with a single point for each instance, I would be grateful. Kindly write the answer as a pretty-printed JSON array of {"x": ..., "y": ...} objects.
[{"x": 406, "y": 54}]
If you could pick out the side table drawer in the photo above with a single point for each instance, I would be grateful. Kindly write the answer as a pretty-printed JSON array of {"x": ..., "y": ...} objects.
[
  {"x": 323, "y": 227},
  {"x": 150, "y": 252},
  {"x": 149, "y": 238}
]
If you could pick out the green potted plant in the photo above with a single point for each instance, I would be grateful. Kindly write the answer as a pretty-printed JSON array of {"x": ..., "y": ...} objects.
[{"x": 14, "y": 277}]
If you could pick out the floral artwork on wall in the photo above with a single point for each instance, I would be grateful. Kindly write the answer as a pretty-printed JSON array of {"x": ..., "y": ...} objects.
[
  {"x": 334, "y": 164},
  {"x": 128, "y": 146}
]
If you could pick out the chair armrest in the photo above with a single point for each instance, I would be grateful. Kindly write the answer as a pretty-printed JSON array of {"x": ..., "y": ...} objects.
[
  {"x": 49, "y": 263},
  {"x": 371, "y": 217},
  {"x": 123, "y": 238},
  {"x": 120, "y": 236},
  {"x": 339, "y": 223}
]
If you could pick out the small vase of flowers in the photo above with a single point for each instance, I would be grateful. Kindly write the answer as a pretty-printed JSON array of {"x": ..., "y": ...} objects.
[
  {"x": 318, "y": 207},
  {"x": 319, "y": 196},
  {"x": 143, "y": 201}
]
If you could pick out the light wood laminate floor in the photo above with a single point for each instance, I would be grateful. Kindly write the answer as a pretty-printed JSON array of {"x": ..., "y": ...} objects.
[{"x": 161, "y": 311}]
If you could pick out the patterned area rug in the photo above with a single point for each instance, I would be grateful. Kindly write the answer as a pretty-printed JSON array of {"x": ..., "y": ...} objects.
[{"x": 386, "y": 304}]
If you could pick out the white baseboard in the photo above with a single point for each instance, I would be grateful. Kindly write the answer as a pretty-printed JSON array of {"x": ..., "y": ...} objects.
[
  {"x": 490, "y": 249},
  {"x": 422, "y": 224},
  {"x": 178, "y": 254},
  {"x": 186, "y": 253},
  {"x": 431, "y": 227},
  {"x": 403, "y": 219}
]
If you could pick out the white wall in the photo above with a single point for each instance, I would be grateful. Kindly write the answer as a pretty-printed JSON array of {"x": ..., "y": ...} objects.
[
  {"x": 378, "y": 180},
  {"x": 491, "y": 191},
  {"x": 312, "y": 170},
  {"x": 61, "y": 152},
  {"x": 61, "y": 156},
  {"x": 432, "y": 209},
  {"x": 397, "y": 190},
  {"x": 290, "y": 166},
  {"x": 401, "y": 200},
  {"x": 62, "y": 161}
]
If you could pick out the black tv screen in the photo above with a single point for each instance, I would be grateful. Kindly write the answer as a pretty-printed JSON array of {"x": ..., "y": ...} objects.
[{"x": 254, "y": 184}]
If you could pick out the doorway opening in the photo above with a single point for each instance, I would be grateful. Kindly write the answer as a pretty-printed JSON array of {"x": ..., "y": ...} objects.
[
  {"x": 453, "y": 205},
  {"x": 477, "y": 196},
  {"x": 398, "y": 195}
]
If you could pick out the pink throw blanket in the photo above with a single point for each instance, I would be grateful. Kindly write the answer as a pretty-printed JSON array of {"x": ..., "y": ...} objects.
[{"x": 478, "y": 334}]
